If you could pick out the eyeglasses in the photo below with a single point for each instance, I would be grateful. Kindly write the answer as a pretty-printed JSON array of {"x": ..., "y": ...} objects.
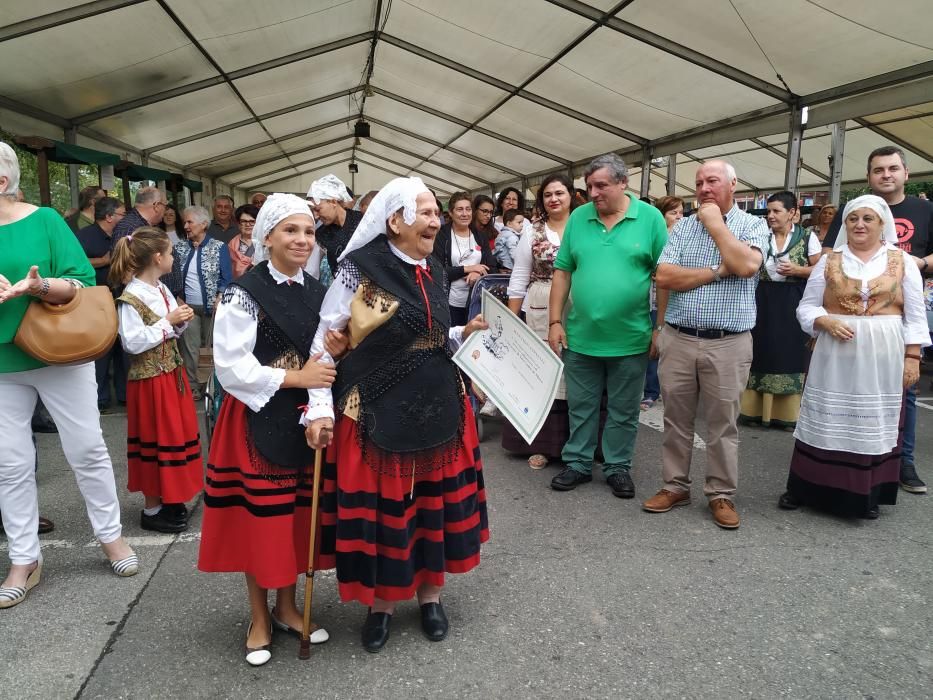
[
  {"x": 160, "y": 204},
  {"x": 247, "y": 222},
  {"x": 487, "y": 212}
]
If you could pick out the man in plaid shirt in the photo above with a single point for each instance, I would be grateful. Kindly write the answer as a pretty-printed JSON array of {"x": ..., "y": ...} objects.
[{"x": 709, "y": 268}]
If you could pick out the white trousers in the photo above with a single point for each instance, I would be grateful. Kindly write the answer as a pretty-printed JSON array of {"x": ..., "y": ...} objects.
[{"x": 70, "y": 395}]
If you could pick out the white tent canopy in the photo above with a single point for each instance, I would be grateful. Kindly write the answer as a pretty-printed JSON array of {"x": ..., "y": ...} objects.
[{"x": 473, "y": 96}]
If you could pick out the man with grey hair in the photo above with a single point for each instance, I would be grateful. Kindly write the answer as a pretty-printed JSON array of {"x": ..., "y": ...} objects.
[
  {"x": 710, "y": 268},
  {"x": 148, "y": 208},
  {"x": 608, "y": 252},
  {"x": 223, "y": 227},
  {"x": 257, "y": 199}
]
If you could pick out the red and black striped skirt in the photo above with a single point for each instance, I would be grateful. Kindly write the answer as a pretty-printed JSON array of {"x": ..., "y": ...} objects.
[
  {"x": 252, "y": 524},
  {"x": 163, "y": 449},
  {"x": 386, "y": 542}
]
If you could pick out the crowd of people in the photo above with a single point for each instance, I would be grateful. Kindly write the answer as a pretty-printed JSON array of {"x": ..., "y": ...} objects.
[{"x": 332, "y": 321}]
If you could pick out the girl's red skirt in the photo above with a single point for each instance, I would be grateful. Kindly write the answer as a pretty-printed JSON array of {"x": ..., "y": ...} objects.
[
  {"x": 386, "y": 543},
  {"x": 163, "y": 450},
  {"x": 252, "y": 523}
]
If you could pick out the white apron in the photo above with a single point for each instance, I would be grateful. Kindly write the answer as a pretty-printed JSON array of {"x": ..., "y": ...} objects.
[{"x": 852, "y": 397}]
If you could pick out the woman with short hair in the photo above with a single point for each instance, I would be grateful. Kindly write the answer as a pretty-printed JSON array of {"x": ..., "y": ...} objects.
[
  {"x": 241, "y": 245},
  {"x": 775, "y": 382},
  {"x": 201, "y": 272},
  {"x": 40, "y": 259},
  {"x": 465, "y": 253}
]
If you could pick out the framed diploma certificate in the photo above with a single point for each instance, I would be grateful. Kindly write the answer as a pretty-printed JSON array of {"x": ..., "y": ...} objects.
[{"x": 513, "y": 367}]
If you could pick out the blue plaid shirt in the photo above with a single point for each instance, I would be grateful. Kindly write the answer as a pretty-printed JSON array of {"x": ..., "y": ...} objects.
[{"x": 728, "y": 305}]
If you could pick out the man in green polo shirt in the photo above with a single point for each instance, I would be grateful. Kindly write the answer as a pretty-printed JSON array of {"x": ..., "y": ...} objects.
[{"x": 608, "y": 253}]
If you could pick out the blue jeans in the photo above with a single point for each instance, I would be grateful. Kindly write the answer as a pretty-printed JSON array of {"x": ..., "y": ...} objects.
[
  {"x": 910, "y": 426},
  {"x": 652, "y": 383}
]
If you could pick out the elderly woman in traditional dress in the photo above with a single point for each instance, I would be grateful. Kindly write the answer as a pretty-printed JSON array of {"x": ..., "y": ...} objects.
[
  {"x": 404, "y": 501},
  {"x": 40, "y": 258},
  {"x": 864, "y": 305},
  {"x": 775, "y": 383},
  {"x": 258, "y": 494}
]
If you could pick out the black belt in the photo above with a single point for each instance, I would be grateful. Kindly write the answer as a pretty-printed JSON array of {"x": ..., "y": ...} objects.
[{"x": 706, "y": 333}]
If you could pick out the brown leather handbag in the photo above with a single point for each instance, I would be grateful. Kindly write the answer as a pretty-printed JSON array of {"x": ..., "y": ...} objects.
[{"x": 80, "y": 331}]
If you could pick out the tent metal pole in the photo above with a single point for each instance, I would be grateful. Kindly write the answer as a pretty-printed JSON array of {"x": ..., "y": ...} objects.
[
  {"x": 71, "y": 136},
  {"x": 672, "y": 174},
  {"x": 836, "y": 155},
  {"x": 645, "y": 172},
  {"x": 794, "y": 139}
]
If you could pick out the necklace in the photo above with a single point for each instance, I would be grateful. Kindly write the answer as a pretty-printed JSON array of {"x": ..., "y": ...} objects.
[{"x": 460, "y": 251}]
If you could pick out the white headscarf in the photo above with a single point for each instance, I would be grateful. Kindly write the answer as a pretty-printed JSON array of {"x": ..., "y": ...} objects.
[
  {"x": 328, "y": 187},
  {"x": 876, "y": 204},
  {"x": 400, "y": 193},
  {"x": 278, "y": 206}
]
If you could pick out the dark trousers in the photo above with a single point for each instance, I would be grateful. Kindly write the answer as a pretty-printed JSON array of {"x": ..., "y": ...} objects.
[{"x": 117, "y": 359}]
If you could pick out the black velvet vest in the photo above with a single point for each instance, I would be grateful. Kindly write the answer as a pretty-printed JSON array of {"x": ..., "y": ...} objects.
[
  {"x": 410, "y": 394},
  {"x": 288, "y": 316}
]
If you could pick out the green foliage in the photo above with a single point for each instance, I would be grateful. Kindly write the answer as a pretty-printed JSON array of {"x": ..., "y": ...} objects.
[
  {"x": 911, "y": 188},
  {"x": 59, "y": 188}
]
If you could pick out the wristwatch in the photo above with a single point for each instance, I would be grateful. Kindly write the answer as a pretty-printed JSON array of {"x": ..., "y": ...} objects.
[{"x": 716, "y": 276}]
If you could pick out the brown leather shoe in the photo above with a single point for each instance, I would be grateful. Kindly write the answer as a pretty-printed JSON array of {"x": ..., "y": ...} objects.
[
  {"x": 724, "y": 513},
  {"x": 664, "y": 500}
]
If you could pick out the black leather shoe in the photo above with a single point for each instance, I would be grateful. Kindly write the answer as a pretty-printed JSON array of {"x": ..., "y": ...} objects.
[
  {"x": 621, "y": 484},
  {"x": 176, "y": 511},
  {"x": 376, "y": 631},
  {"x": 161, "y": 522},
  {"x": 788, "y": 502},
  {"x": 872, "y": 513},
  {"x": 569, "y": 479},
  {"x": 434, "y": 622}
]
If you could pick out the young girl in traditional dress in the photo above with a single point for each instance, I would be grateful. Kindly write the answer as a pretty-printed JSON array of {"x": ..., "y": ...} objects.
[
  {"x": 259, "y": 476},
  {"x": 163, "y": 450}
]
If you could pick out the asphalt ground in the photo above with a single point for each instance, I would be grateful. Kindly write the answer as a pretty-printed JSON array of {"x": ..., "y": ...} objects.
[{"x": 579, "y": 595}]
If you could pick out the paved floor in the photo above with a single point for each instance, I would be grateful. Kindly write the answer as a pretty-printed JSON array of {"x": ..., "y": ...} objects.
[{"x": 579, "y": 595}]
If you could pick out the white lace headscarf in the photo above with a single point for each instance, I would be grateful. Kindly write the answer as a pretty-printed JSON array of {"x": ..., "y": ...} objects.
[
  {"x": 328, "y": 187},
  {"x": 876, "y": 204},
  {"x": 277, "y": 207},
  {"x": 401, "y": 193}
]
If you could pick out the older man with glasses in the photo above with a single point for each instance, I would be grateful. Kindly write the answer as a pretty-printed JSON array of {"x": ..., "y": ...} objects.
[{"x": 148, "y": 208}]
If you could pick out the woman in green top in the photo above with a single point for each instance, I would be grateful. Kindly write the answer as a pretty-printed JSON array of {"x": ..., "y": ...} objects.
[{"x": 41, "y": 258}]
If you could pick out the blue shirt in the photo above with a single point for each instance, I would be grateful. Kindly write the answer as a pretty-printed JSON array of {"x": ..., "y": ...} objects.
[{"x": 727, "y": 305}]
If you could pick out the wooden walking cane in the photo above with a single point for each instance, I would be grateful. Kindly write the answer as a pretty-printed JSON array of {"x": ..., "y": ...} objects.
[{"x": 304, "y": 649}]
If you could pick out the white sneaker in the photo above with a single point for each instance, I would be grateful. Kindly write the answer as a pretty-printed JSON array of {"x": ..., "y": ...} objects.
[{"x": 489, "y": 410}]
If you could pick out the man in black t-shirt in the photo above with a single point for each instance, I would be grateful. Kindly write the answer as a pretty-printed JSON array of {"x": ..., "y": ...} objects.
[
  {"x": 97, "y": 241},
  {"x": 913, "y": 219}
]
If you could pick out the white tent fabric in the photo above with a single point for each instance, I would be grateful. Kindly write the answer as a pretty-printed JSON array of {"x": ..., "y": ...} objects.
[{"x": 472, "y": 96}]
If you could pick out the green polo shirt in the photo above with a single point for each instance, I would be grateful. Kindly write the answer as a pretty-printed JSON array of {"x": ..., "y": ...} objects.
[
  {"x": 43, "y": 239},
  {"x": 610, "y": 278}
]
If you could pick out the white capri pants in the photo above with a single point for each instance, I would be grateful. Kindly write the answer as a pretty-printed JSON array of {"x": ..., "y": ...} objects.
[{"x": 70, "y": 395}]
